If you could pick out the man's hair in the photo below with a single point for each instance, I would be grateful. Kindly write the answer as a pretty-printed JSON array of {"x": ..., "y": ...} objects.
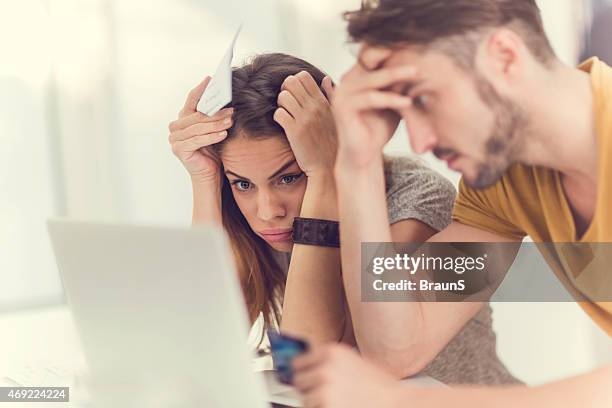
[{"x": 454, "y": 27}]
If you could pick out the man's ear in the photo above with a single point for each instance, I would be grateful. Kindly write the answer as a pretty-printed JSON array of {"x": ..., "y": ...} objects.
[{"x": 503, "y": 53}]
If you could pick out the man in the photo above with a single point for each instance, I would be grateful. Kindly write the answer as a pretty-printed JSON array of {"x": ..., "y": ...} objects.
[{"x": 477, "y": 83}]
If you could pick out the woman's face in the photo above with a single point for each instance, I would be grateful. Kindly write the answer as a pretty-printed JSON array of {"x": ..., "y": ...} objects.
[{"x": 267, "y": 184}]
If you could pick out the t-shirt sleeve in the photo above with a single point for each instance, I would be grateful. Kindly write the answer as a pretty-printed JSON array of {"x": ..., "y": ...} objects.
[
  {"x": 414, "y": 191},
  {"x": 481, "y": 209}
]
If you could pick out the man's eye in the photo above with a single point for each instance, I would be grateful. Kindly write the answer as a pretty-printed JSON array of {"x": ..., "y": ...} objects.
[
  {"x": 421, "y": 102},
  {"x": 241, "y": 185},
  {"x": 290, "y": 179}
]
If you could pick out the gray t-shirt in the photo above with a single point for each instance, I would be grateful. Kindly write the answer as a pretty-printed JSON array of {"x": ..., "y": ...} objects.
[{"x": 414, "y": 191}]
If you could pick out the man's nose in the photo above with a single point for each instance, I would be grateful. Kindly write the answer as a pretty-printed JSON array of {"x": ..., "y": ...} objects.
[{"x": 421, "y": 135}]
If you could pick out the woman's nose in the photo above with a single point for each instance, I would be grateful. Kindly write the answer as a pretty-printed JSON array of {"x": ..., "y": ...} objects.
[{"x": 269, "y": 207}]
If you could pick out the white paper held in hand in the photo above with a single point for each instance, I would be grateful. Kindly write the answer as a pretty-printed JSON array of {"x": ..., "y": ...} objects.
[{"x": 218, "y": 93}]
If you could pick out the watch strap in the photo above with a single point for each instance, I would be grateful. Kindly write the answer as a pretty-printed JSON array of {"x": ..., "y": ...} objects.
[{"x": 312, "y": 231}]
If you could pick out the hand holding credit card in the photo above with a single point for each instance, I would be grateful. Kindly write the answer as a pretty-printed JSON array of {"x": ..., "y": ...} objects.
[
  {"x": 218, "y": 93},
  {"x": 284, "y": 350}
]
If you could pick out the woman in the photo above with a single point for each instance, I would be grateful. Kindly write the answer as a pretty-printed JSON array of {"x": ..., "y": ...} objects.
[{"x": 267, "y": 159}]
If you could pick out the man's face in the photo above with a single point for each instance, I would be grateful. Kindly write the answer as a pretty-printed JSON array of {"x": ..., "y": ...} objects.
[{"x": 458, "y": 115}]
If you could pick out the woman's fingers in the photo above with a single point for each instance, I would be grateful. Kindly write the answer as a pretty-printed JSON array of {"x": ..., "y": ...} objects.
[
  {"x": 193, "y": 97},
  {"x": 309, "y": 84},
  {"x": 288, "y": 101},
  {"x": 198, "y": 142},
  {"x": 198, "y": 117},
  {"x": 328, "y": 88},
  {"x": 283, "y": 118},
  {"x": 295, "y": 87},
  {"x": 200, "y": 129},
  {"x": 304, "y": 88}
]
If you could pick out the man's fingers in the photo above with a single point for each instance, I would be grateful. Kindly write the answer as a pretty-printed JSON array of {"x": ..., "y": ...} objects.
[
  {"x": 200, "y": 129},
  {"x": 283, "y": 118},
  {"x": 352, "y": 75},
  {"x": 328, "y": 88},
  {"x": 194, "y": 96},
  {"x": 199, "y": 117},
  {"x": 371, "y": 58},
  {"x": 306, "y": 380},
  {"x": 308, "y": 360},
  {"x": 287, "y": 100},
  {"x": 378, "y": 100},
  {"x": 313, "y": 400},
  {"x": 380, "y": 79}
]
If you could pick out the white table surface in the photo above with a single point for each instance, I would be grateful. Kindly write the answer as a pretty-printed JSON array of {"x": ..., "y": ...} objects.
[{"x": 46, "y": 337}]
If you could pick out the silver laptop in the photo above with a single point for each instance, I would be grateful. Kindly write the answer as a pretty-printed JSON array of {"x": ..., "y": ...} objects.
[{"x": 160, "y": 315}]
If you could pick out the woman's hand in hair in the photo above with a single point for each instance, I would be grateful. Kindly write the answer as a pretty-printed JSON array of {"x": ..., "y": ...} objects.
[
  {"x": 304, "y": 111},
  {"x": 192, "y": 134}
]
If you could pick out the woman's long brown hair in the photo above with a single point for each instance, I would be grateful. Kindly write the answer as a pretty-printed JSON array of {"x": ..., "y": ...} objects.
[{"x": 255, "y": 89}]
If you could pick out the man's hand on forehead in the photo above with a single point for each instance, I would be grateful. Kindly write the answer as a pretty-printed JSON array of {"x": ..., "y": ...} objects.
[
  {"x": 371, "y": 72},
  {"x": 372, "y": 58},
  {"x": 366, "y": 109},
  {"x": 393, "y": 80}
]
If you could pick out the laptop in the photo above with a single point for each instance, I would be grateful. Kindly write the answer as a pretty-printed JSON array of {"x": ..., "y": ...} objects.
[{"x": 160, "y": 316}]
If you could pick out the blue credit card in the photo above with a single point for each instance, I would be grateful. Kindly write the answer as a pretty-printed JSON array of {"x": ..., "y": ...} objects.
[{"x": 284, "y": 350}]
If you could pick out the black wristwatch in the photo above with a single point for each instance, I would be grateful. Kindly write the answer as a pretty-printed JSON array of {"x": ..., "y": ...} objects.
[{"x": 311, "y": 231}]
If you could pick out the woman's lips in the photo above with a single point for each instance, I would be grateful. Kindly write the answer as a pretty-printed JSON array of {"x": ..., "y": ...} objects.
[{"x": 277, "y": 235}]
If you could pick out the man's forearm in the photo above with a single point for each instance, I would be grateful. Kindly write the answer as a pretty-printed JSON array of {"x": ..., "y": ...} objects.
[
  {"x": 381, "y": 326},
  {"x": 590, "y": 390},
  {"x": 314, "y": 299},
  {"x": 206, "y": 202}
]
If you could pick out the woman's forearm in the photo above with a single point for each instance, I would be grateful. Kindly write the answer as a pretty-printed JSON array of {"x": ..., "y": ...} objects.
[
  {"x": 314, "y": 300},
  {"x": 206, "y": 202}
]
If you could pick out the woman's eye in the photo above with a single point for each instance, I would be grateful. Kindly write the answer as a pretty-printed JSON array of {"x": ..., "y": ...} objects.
[
  {"x": 242, "y": 185},
  {"x": 290, "y": 179}
]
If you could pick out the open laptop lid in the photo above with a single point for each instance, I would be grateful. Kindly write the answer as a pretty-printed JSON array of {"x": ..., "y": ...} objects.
[{"x": 158, "y": 304}]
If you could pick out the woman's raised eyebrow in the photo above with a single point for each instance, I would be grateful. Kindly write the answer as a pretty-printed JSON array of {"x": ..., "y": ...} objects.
[
  {"x": 276, "y": 173},
  {"x": 282, "y": 168},
  {"x": 236, "y": 175}
]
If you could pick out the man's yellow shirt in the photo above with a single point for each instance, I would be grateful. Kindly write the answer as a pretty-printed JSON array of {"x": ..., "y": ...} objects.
[{"x": 530, "y": 201}]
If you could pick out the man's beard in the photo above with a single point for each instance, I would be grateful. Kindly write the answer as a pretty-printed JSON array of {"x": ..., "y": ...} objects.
[{"x": 506, "y": 137}]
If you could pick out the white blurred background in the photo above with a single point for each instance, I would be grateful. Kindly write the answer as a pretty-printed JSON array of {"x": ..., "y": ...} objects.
[{"x": 88, "y": 87}]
